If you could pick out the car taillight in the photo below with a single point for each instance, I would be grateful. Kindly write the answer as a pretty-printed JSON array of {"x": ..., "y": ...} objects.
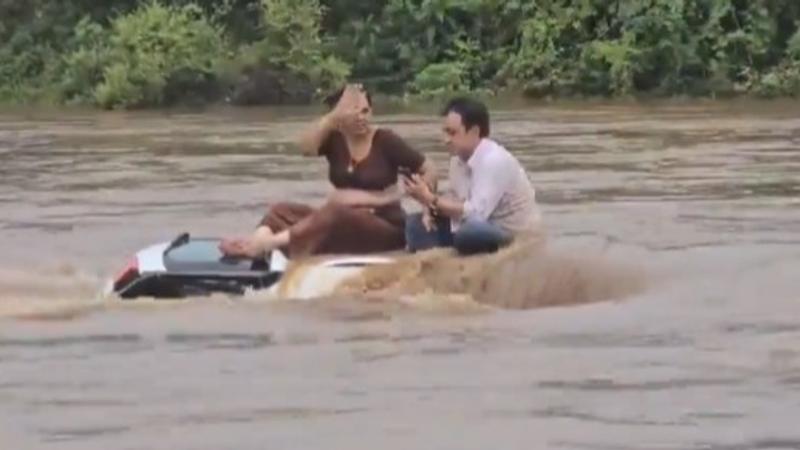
[{"x": 127, "y": 274}]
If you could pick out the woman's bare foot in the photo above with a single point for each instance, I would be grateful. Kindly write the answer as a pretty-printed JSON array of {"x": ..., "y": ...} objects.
[
  {"x": 254, "y": 246},
  {"x": 240, "y": 247}
]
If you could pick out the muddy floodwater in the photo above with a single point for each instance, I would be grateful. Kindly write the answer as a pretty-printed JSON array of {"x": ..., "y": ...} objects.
[{"x": 665, "y": 314}]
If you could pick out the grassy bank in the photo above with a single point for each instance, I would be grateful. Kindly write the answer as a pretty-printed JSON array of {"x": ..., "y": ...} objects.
[{"x": 133, "y": 54}]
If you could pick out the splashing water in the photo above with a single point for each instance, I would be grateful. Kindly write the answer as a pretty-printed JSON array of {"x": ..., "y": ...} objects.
[{"x": 525, "y": 275}]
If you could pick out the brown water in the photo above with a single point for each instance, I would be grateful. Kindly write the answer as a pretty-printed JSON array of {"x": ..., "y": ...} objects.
[{"x": 701, "y": 353}]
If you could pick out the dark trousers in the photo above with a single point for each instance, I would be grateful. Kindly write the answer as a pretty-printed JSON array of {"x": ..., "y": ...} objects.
[{"x": 473, "y": 236}]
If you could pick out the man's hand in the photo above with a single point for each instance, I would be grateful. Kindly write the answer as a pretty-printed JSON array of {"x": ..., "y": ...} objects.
[
  {"x": 418, "y": 189},
  {"x": 428, "y": 222}
]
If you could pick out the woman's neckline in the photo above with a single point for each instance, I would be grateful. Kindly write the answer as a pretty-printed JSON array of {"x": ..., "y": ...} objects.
[{"x": 353, "y": 162}]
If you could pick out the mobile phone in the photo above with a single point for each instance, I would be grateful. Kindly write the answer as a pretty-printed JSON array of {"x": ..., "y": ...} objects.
[{"x": 405, "y": 171}]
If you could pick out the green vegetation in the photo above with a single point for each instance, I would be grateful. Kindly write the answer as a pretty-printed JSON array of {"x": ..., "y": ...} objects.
[{"x": 144, "y": 53}]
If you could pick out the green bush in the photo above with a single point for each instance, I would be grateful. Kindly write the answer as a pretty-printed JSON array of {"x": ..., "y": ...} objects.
[
  {"x": 128, "y": 53},
  {"x": 291, "y": 41},
  {"x": 83, "y": 67},
  {"x": 23, "y": 64},
  {"x": 439, "y": 78},
  {"x": 783, "y": 80},
  {"x": 151, "y": 45}
]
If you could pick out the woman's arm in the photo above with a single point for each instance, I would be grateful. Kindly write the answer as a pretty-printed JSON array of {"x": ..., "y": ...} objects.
[
  {"x": 313, "y": 137},
  {"x": 367, "y": 199}
]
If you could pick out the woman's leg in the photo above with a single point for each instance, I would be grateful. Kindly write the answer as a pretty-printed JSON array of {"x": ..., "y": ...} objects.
[
  {"x": 263, "y": 240},
  {"x": 340, "y": 229},
  {"x": 284, "y": 215},
  {"x": 332, "y": 228},
  {"x": 271, "y": 233}
]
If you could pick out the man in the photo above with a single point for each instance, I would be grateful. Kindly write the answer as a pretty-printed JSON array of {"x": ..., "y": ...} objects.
[{"x": 492, "y": 200}]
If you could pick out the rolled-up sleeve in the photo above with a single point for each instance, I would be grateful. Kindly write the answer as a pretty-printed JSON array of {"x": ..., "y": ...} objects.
[{"x": 488, "y": 184}]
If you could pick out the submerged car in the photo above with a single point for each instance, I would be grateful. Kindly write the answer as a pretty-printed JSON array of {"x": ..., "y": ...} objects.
[{"x": 189, "y": 267}]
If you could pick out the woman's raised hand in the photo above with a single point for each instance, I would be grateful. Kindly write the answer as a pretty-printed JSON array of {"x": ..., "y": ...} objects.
[{"x": 348, "y": 105}]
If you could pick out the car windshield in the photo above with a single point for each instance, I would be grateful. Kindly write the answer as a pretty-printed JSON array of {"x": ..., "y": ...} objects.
[{"x": 196, "y": 251}]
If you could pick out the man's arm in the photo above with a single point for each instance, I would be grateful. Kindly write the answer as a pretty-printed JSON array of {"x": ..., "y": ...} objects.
[
  {"x": 449, "y": 207},
  {"x": 444, "y": 206},
  {"x": 419, "y": 190},
  {"x": 487, "y": 188},
  {"x": 488, "y": 185}
]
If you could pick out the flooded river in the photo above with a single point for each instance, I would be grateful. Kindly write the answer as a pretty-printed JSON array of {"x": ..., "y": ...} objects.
[{"x": 702, "y": 198}]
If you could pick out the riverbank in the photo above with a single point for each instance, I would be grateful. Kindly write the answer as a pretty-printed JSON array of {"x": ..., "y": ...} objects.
[
  {"x": 129, "y": 54},
  {"x": 504, "y": 103}
]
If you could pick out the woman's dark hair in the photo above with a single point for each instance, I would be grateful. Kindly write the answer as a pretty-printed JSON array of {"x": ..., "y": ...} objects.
[
  {"x": 472, "y": 112},
  {"x": 332, "y": 99}
]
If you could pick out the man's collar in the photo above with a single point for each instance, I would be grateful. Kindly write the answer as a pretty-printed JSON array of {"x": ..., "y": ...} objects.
[{"x": 480, "y": 150}]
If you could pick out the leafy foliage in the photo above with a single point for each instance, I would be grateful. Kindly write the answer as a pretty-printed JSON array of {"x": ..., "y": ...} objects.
[
  {"x": 291, "y": 40},
  {"x": 124, "y": 53},
  {"x": 150, "y": 46}
]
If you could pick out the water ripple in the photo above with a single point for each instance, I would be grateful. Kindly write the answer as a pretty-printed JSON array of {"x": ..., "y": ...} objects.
[{"x": 660, "y": 385}]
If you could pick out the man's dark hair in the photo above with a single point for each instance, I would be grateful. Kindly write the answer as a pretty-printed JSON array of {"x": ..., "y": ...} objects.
[
  {"x": 332, "y": 99},
  {"x": 472, "y": 112}
]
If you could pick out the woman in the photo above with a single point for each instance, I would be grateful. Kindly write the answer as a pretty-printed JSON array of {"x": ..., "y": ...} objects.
[{"x": 363, "y": 215}]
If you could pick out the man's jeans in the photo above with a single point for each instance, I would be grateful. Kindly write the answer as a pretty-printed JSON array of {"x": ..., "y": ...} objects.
[{"x": 473, "y": 236}]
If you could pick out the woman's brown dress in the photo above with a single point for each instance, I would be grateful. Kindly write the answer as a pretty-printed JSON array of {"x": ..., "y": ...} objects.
[{"x": 345, "y": 229}]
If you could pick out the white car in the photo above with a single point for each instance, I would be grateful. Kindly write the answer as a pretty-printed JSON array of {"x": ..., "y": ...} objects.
[{"x": 190, "y": 266}]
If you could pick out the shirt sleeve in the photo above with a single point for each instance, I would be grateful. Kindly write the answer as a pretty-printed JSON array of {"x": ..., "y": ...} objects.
[
  {"x": 489, "y": 182},
  {"x": 400, "y": 154}
]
